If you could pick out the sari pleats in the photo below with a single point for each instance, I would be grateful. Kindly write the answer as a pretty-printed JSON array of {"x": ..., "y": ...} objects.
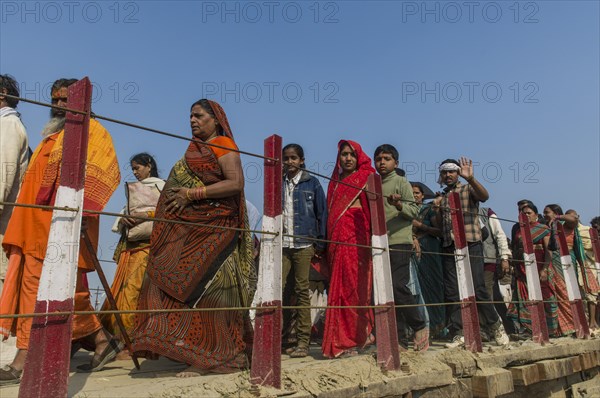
[
  {"x": 350, "y": 285},
  {"x": 201, "y": 267}
]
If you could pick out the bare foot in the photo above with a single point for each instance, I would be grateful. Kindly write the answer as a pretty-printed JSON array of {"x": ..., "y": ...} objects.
[
  {"x": 191, "y": 372},
  {"x": 19, "y": 362},
  {"x": 123, "y": 356}
]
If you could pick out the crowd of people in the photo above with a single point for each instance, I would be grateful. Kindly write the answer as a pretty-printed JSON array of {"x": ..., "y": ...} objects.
[{"x": 199, "y": 251}]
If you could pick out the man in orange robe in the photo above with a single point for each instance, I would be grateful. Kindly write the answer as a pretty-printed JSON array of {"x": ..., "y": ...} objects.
[{"x": 26, "y": 237}]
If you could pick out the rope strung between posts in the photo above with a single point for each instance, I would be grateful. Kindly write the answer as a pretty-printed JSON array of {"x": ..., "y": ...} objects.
[
  {"x": 141, "y": 218},
  {"x": 139, "y": 127},
  {"x": 160, "y": 132},
  {"x": 145, "y": 218},
  {"x": 283, "y": 307}
]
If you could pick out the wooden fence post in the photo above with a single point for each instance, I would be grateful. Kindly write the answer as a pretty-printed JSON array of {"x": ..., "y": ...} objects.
[
  {"x": 470, "y": 317},
  {"x": 46, "y": 371},
  {"x": 539, "y": 326},
  {"x": 266, "y": 352},
  {"x": 388, "y": 354},
  {"x": 582, "y": 329}
]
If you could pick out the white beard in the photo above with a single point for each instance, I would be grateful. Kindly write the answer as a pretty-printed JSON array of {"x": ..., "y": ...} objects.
[{"x": 54, "y": 125}]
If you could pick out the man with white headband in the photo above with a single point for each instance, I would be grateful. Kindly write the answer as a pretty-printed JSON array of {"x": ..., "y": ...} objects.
[{"x": 470, "y": 195}]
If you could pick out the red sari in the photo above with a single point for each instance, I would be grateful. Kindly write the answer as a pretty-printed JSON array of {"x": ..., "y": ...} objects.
[{"x": 350, "y": 266}]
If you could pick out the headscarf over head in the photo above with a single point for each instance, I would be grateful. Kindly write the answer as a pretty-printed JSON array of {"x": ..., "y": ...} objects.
[
  {"x": 221, "y": 118},
  {"x": 183, "y": 258},
  {"x": 224, "y": 123},
  {"x": 341, "y": 195}
]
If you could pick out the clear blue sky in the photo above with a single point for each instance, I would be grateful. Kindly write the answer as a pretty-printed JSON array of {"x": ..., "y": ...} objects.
[{"x": 514, "y": 86}]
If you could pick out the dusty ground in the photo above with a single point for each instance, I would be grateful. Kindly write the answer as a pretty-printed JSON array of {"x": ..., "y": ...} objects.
[
  {"x": 304, "y": 377},
  {"x": 300, "y": 377}
]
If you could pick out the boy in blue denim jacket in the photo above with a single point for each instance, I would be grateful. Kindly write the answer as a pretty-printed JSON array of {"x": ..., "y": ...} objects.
[{"x": 305, "y": 217}]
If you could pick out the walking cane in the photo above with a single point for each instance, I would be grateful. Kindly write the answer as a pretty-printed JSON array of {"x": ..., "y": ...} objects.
[{"x": 109, "y": 296}]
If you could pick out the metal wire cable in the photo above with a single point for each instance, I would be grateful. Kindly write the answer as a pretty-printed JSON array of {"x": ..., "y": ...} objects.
[
  {"x": 242, "y": 152},
  {"x": 42, "y": 207},
  {"x": 261, "y": 232},
  {"x": 270, "y": 308},
  {"x": 181, "y": 137},
  {"x": 160, "y": 132},
  {"x": 139, "y": 127},
  {"x": 168, "y": 221}
]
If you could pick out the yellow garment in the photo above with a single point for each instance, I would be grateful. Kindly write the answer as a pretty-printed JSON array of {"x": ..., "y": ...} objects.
[
  {"x": 102, "y": 174},
  {"x": 127, "y": 285}
]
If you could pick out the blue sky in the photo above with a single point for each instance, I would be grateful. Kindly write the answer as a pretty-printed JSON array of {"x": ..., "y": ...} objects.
[{"x": 513, "y": 85}]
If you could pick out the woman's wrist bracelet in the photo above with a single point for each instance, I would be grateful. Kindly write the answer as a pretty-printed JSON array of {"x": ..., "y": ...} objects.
[
  {"x": 199, "y": 193},
  {"x": 193, "y": 194}
]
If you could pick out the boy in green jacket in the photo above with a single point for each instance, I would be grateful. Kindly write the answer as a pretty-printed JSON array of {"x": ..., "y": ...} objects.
[{"x": 400, "y": 209}]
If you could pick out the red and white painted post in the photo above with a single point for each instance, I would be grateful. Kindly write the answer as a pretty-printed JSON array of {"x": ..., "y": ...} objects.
[
  {"x": 466, "y": 290},
  {"x": 388, "y": 354},
  {"x": 266, "y": 353},
  {"x": 582, "y": 329},
  {"x": 536, "y": 307},
  {"x": 596, "y": 248},
  {"x": 46, "y": 370}
]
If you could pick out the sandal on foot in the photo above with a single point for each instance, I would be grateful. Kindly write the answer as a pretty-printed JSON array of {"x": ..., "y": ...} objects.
[
  {"x": 10, "y": 375},
  {"x": 99, "y": 361},
  {"x": 421, "y": 342},
  {"x": 299, "y": 352}
]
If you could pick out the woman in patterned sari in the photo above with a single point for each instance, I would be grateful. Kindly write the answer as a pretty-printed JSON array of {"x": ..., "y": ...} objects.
[
  {"x": 349, "y": 220},
  {"x": 518, "y": 310},
  {"x": 583, "y": 256},
  {"x": 209, "y": 265},
  {"x": 553, "y": 213}
]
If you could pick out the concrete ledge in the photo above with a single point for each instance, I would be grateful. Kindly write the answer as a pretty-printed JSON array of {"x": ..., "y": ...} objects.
[
  {"x": 429, "y": 375},
  {"x": 491, "y": 382},
  {"x": 463, "y": 363},
  {"x": 529, "y": 352},
  {"x": 555, "y": 368},
  {"x": 525, "y": 375}
]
